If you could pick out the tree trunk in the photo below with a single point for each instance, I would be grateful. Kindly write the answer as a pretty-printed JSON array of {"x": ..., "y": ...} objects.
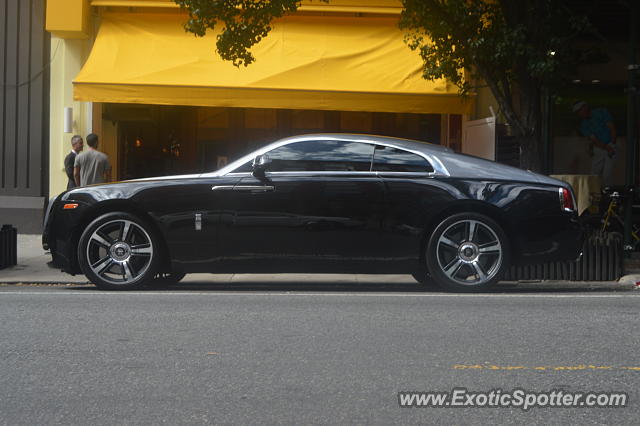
[
  {"x": 525, "y": 119},
  {"x": 529, "y": 153},
  {"x": 530, "y": 142},
  {"x": 529, "y": 97}
]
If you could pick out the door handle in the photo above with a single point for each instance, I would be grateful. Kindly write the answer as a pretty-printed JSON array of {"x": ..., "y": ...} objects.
[
  {"x": 254, "y": 188},
  {"x": 222, "y": 188}
]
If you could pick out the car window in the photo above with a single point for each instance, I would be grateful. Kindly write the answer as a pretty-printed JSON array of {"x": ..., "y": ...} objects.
[
  {"x": 321, "y": 156},
  {"x": 245, "y": 168},
  {"x": 388, "y": 159}
]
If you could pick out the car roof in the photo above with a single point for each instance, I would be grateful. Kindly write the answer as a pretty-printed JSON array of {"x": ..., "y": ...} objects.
[{"x": 409, "y": 144}]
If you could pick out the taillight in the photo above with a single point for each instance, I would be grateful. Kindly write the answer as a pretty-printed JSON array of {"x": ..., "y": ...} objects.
[{"x": 566, "y": 200}]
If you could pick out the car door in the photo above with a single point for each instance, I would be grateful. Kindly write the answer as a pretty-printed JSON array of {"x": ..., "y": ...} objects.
[
  {"x": 413, "y": 193},
  {"x": 189, "y": 213},
  {"x": 318, "y": 204}
]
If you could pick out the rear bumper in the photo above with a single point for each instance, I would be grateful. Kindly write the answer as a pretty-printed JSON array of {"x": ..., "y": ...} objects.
[{"x": 563, "y": 241}]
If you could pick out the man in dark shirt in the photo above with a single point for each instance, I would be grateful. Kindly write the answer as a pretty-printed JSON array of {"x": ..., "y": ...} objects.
[{"x": 70, "y": 159}]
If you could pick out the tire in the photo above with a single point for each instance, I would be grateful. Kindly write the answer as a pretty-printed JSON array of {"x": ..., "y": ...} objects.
[
  {"x": 467, "y": 252},
  {"x": 119, "y": 251},
  {"x": 423, "y": 277},
  {"x": 163, "y": 279}
]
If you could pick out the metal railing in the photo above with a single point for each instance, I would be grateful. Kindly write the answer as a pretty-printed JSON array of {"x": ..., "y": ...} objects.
[
  {"x": 602, "y": 260},
  {"x": 8, "y": 246}
]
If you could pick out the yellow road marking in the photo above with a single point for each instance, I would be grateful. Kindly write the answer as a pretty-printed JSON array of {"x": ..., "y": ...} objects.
[{"x": 542, "y": 367}]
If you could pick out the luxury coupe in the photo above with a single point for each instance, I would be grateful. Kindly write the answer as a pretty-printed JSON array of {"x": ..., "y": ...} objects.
[{"x": 325, "y": 203}]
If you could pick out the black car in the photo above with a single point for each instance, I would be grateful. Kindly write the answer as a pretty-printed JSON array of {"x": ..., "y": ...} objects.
[{"x": 331, "y": 203}]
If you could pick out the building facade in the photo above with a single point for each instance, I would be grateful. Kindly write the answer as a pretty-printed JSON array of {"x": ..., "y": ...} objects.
[
  {"x": 24, "y": 113},
  {"x": 164, "y": 103}
]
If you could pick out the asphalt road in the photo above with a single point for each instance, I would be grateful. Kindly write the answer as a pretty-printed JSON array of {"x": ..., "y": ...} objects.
[{"x": 332, "y": 354}]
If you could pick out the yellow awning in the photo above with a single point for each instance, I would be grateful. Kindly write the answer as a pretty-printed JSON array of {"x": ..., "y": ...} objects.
[{"x": 307, "y": 62}]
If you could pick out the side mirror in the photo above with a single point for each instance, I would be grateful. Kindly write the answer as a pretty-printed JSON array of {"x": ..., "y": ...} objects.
[{"x": 260, "y": 165}]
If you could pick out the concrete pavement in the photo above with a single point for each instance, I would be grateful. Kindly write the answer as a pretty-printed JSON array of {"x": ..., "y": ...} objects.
[
  {"x": 32, "y": 269},
  {"x": 82, "y": 356},
  {"x": 32, "y": 265}
]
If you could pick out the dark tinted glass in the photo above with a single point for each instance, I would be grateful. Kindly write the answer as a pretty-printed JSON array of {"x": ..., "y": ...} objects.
[
  {"x": 321, "y": 156},
  {"x": 388, "y": 159},
  {"x": 245, "y": 168}
]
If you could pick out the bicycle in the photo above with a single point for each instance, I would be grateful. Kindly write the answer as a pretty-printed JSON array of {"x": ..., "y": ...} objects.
[{"x": 612, "y": 220}]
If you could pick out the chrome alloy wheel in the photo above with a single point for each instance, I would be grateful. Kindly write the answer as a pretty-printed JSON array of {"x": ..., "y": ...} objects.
[
  {"x": 469, "y": 252},
  {"x": 119, "y": 251}
]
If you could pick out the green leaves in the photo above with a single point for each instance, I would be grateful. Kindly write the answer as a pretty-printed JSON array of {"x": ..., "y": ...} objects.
[
  {"x": 493, "y": 39},
  {"x": 243, "y": 23},
  {"x": 449, "y": 36},
  {"x": 517, "y": 47}
]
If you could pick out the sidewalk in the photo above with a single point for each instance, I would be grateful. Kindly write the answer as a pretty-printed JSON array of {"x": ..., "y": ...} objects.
[
  {"x": 32, "y": 265},
  {"x": 32, "y": 268}
]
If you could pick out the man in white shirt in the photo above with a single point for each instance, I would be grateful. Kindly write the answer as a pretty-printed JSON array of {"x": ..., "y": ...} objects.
[{"x": 92, "y": 166}]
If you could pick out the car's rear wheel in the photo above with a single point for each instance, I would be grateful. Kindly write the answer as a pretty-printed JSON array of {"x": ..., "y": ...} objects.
[
  {"x": 118, "y": 251},
  {"x": 467, "y": 252}
]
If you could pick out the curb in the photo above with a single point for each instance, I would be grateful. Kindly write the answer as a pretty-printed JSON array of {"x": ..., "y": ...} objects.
[{"x": 631, "y": 280}]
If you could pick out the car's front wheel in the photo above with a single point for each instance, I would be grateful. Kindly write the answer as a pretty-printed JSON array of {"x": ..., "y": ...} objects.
[
  {"x": 118, "y": 251},
  {"x": 467, "y": 252}
]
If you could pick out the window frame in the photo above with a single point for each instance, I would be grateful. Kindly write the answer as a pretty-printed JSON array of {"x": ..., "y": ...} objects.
[
  {"x": 437, "y": 166},
  {"x": 320, "y": 140},
  {"x": 373, "y": 161}
]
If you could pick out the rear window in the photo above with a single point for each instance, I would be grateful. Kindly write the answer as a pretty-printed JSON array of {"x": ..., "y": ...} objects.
[{"x": 388, "y": 159}]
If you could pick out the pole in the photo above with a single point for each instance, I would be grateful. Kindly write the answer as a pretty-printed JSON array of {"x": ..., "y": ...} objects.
[{"x": 632, "y": 127}]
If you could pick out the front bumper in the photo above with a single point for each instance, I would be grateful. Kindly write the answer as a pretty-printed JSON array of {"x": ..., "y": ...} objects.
[{"x": 58, "y": 237}]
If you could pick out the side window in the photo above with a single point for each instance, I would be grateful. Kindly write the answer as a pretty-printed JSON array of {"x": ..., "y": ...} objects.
[
  {"x": 387, "y": 159},
  {"x": 321, "y": 156},
  {"x": 245, "y": 168}
]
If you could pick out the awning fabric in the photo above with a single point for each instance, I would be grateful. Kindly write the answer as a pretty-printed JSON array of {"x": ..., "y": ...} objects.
[{"x": 307, "y": 62}]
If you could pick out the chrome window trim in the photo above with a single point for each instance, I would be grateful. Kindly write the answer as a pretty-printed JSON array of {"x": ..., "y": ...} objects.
[
  {"x": 408, "y": 174},
  {"x": 323, "y": 173},
  {"x": 333, "y": 173},
  {"x": 356, "y": 174},
  {"x": 436, "y": 164},
  {"x": 434, "y": 161}
]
